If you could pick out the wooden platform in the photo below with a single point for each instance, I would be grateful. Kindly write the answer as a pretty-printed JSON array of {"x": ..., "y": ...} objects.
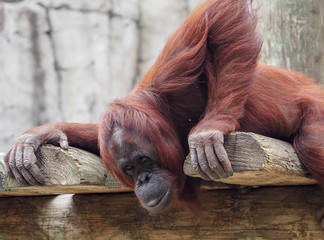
[
  {"x": 274, "y": 211},
  {"x": 262, "y": 213}
]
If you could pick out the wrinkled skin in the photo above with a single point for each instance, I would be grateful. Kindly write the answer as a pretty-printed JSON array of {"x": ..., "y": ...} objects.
[
  {"x": 155, "y": 187},
  {"x": 21, "y": 161},
  {"x": 208, "y": 155}
]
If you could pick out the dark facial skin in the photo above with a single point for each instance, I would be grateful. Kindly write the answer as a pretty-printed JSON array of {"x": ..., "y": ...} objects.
[{"x": 155, "y": 187}]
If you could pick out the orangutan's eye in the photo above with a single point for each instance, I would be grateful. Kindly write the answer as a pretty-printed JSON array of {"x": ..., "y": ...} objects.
[
  {"x": 129, "y": 168},
  {"x": 145, "y": 161}
]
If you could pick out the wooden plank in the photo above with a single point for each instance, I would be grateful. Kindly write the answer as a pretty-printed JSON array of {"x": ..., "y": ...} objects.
[
  {"x": 258, "y": 160},
  {"x": 262, "y": 213}
]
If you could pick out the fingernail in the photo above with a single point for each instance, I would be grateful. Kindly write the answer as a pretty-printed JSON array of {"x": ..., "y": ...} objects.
[{"x": 65, "y": 145}]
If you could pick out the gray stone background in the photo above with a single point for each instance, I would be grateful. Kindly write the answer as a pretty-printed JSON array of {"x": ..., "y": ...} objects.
[{"x": 66, "y": 60}]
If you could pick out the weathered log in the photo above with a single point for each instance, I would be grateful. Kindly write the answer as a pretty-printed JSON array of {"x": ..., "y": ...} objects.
[
  {"x": 262, "y": 213},
  {"x": 71, "y": 171},
  {"x": 258, "y": 160}
]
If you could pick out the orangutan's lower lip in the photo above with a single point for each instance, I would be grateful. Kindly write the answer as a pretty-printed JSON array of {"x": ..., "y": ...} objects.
[
  {"x": 161, "y": 202},
  {"x": 156, "y": 202}
]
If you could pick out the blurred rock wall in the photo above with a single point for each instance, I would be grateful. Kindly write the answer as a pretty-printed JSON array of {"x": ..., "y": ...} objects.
[{"x": 66, "y": 60}]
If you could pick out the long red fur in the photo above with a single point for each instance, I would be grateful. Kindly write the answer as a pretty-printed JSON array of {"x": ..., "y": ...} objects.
[
  {"x": 138, "y": 113},
  {"x": 207, "y": 78}
]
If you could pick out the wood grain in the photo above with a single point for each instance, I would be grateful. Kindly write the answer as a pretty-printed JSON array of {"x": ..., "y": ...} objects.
[
  {"x": 71, "y": 171},
  {"x": 258, "y": 160},
  {"x": 263, "y": 213},
  {"x": 293, "y": 32}
]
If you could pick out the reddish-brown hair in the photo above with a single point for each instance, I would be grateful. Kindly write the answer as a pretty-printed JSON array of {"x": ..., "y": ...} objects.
[
  {"x": 215, "y": 46},
  {"x": 142, "y": 114}
]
